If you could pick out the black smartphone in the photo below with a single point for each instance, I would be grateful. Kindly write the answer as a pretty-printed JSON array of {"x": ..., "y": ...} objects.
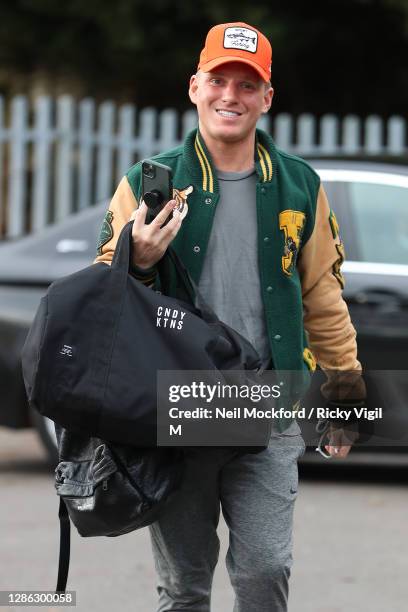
[{"x": 157, "y": 187}]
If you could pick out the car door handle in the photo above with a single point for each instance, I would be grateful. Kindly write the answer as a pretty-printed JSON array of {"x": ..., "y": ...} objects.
[{"x": 382, "y": 298}]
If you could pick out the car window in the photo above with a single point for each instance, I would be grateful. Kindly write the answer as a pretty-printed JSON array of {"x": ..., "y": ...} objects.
[
  {"x": 380, "y": 217},
  {"x": 338, "y": 197}
]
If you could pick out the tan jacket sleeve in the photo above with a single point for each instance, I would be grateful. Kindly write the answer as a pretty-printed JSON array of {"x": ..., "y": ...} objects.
[
  {"x": 331, "y": 335},
  {"x": 121, "y": 207}
]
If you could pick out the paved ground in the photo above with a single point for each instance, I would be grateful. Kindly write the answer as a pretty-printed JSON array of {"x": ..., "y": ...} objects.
[{"x": 351, "y": 542}]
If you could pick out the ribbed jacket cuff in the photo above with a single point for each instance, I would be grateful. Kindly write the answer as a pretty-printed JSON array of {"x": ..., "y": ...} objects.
[{"x": 144, "y": 275}]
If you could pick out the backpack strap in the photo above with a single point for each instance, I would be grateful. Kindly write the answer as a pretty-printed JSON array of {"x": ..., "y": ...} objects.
[{"x": 65, "y": 541}]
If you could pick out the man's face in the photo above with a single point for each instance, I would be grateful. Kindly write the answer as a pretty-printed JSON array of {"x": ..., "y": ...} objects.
[{"x": 229, "y": 101}]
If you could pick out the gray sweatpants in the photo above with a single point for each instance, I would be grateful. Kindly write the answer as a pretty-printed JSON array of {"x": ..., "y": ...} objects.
[{"x": 257, "y": 493}]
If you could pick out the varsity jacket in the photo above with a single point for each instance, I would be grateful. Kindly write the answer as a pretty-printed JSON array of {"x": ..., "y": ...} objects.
[{"x": 300, "y": 251}]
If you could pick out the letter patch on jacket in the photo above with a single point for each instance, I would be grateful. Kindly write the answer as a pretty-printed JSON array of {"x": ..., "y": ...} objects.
[
  {"x": 337, "y": 264},
  {"x": 336, "y": 268},
  {"x": 309, "y": 359},
  {"x": 291, "y": 222},
  {"x": 181, "y": 195},
  {"x": 106, "y": 232},
  {"x": 333, "y": 224}
]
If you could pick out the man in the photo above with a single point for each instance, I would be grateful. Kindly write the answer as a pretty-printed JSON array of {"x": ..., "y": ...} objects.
[{"x": 254, "y": 227}]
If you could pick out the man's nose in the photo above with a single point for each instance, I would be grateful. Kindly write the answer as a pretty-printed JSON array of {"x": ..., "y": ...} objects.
[{"x": 229, "y": 93}]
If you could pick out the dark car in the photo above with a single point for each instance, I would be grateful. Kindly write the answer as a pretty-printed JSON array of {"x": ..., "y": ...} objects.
[
  {"x": 371, "y": 204},
  {"x": 27, "y": 267}
]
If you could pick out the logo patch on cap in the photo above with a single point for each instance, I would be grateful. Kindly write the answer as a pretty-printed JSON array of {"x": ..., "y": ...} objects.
[{"x": 241, "y": 38}]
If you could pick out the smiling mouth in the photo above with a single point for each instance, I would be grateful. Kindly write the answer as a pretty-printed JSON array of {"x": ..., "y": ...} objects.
[{"x": 226, "y": 113}]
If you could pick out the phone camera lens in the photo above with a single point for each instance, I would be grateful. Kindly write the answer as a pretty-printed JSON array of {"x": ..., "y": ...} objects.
[{"x": 148, "y": 170}]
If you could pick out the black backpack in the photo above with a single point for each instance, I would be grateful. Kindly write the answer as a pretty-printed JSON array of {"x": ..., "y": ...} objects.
[{"x": 110, "y": 489}]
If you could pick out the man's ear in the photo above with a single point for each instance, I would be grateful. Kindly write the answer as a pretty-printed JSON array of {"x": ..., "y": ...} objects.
[
  {"x": 268, "y": 99},
  {"x": 192, "y": 91}
]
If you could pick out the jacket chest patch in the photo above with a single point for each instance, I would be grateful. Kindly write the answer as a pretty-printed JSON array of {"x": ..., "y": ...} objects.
[{"x": 291, "y": 222}]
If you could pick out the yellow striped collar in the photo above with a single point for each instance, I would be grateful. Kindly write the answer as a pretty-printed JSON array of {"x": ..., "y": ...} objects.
[
  {"x": 263, "y": 162},
  {"x": 208, "y": 176}
]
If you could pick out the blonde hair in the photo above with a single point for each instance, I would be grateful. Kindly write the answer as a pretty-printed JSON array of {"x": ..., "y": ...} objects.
[{"x": 267, "y": 84}]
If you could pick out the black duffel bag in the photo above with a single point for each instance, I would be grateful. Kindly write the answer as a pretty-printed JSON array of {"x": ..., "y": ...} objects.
[{"x": 99, "y": 337}]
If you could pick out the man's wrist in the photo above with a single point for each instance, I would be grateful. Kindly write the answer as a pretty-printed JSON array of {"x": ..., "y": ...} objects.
[{"x": 145, "y": 275}]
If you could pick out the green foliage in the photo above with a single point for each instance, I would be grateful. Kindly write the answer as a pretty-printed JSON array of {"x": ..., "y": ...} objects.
[{"x": 328, "y": 56}]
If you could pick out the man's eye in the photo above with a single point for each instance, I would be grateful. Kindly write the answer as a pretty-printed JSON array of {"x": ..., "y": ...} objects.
[
  {"x": 215, "y": 81},
  {"x": 247, "y": 86}
]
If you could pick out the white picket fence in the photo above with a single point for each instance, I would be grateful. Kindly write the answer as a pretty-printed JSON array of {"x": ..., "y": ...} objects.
[{"x": 60, "y": 156}]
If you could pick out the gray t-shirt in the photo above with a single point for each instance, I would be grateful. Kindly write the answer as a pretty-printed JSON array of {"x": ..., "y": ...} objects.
[{"x": 230, "y": 280}]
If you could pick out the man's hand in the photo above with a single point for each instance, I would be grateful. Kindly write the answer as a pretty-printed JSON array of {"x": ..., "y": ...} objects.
[
  {"x": 341, "y": 441},
  {"x": 150, "y": 241}
]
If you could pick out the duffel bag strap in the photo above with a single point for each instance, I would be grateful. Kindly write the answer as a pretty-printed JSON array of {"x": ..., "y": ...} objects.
[
  {"x": 65, "y": 542},
  {"x": 123, "y": 250},
  {"x": 121, "y": 261},
  {"x": 190, "y": 287}
]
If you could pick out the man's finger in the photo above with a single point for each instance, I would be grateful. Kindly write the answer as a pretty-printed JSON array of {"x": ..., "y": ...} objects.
[
  {"x": 164, "y": 213},
  {"x": 343, "y": 436},
  {"x": 338, "y": 451},
  {"x": 139, "y": 215},
  {"x": 171, "y": 228}
]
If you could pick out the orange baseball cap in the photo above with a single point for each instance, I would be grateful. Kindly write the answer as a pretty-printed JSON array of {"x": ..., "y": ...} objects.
[{"x": 237, "y": 42}]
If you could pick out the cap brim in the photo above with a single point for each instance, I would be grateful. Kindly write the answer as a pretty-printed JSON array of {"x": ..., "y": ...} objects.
[{"x": 215, "y": 63}]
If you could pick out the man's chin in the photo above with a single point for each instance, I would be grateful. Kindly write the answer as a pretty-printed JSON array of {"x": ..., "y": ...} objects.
[{"x": 231, "y": 136}]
